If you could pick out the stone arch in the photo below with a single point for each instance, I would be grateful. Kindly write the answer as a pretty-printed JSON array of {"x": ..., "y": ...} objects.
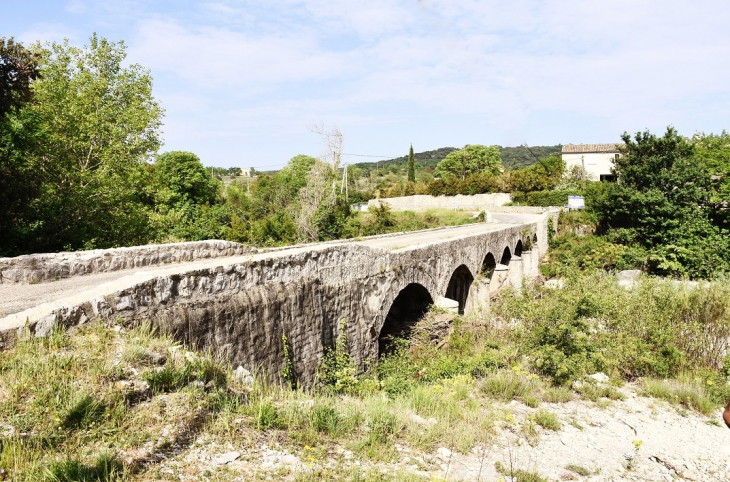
[
  {"x": 506, "y": 256},
  {"x": 459, "y": 285},
  {"x": 488, "y": 266},
  {"x": 518, "y": 248},
  {"x": 407, "y": 308}
]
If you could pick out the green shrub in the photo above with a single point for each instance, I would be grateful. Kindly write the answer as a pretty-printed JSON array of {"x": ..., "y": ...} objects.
[
  {"x": 547, "y": 420},
  {"x": 106, "y": 468},
  {"x": 549, "y": 198},
  {"x": 519, "y": 475},
  {"x": 557, "y": 395},
  {"x": 507, "y": 385}
]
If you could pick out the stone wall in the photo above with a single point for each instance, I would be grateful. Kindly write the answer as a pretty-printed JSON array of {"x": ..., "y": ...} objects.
[
  {"x": 421, "y": 202},
  {"x": 35, "y": 268}
]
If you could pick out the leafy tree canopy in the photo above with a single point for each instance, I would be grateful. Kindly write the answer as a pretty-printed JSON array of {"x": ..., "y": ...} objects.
[
  {"x": 472, "y": 159},
  {"x": 664, "y": 202},
  {"x": 18, "y": 69},
  {"x": 91, "y": 126},
  {"x": 545, "y": 175},
  {"x": 185, "y": 178}
]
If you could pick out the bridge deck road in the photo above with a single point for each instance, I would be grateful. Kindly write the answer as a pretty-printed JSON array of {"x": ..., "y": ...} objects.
[{"x": 15, "y": 298}]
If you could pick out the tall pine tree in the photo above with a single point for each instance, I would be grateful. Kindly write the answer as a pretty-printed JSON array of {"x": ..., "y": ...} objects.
[{"x": 411, "y": 166}]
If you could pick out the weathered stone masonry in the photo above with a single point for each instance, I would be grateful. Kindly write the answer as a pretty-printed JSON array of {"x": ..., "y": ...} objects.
[{"x": 243, "y": 309}]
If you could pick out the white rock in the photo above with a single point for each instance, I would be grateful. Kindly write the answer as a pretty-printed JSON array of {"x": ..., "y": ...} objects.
[
  {"x": 443, "y": 452},
  {"x": 245, "y": 376},
  {"x": 555, "y": 284},
  {"x": 599, "y": 377},
  {"x": 226, "y": 458}
]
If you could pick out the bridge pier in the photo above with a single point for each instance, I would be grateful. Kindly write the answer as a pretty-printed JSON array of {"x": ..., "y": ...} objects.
[
  {"x": 515, "y": 272},
  {"x": 479, "y": 296},
  {"x": 500, "y": 279}
]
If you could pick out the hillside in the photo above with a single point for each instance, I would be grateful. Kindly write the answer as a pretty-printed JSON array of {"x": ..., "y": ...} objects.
[{"x": 512, "y": 157}]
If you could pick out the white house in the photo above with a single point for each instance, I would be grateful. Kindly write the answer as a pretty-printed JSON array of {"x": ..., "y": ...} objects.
[
  {"x": 596, "y": 159},
  {"x": 245, "y": 172}
]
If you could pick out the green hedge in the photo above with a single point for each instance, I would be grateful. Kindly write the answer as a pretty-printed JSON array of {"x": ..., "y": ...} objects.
[{"x": 544, "y": 198}]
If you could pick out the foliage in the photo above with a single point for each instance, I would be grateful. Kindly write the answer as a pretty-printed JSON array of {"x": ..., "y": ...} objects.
[
  {"x": 18, "y": 69},
  {"x": 91, "y": 127},
  {"x": 545, "y": 175},
  {"x": 472, "y": 159},
  {"x": 182, "y": 179},
  {"x": 668, "y": 201},
  {"x": 592, "y": 324},
  {"x": 544, "y": 198},
  {"x": 19, "y": 131},
  {"x": 411, "y": 166}
]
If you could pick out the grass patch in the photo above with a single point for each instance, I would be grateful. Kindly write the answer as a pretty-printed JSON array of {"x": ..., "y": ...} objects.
[
  {"x": 579, "y": 469},
  {"x": 557, "y": 395},
  {"x": 547, "y": 420},
  {"x": 106, "y": 468},
  {"x": 594, "y": 393},
  {"x": 508, "y": 385},
  {"x": 519, "y": 475},
  {"x": 684, "y": 392}
]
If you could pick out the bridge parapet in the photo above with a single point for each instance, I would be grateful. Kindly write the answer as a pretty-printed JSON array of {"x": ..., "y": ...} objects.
[{"x": 36, "y": 268}]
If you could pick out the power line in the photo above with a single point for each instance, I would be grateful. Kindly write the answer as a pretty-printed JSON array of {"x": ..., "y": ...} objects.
[{"x": 371, "y": 155}]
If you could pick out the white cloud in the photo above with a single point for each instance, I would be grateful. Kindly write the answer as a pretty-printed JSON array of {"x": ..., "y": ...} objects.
[{"x": 227, "y": 67}]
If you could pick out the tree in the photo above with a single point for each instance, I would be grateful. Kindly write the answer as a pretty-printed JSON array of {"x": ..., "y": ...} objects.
[
  {"x": 315, "y": 199},
  {"x": 411, "y": 166},
  {"x": 664, "y": 202},
  {"x": 19, "y": 134},
  {"x": 184, "y": 180},
  {"x": 101, "y": 126},
  {"x": 472, "y": 159},
  {"x": 545, "y": 175},
  {"x": 18, "y": 69}
]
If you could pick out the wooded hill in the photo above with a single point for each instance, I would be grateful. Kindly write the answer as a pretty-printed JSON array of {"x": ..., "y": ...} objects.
[{"x": 512, "y": 157}]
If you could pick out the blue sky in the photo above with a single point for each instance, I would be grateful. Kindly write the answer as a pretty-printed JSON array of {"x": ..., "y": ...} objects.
[{"x": 241, "y": 81}]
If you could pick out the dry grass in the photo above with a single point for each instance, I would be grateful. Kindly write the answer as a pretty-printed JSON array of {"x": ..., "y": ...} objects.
[{"x": 684, "y": 391}]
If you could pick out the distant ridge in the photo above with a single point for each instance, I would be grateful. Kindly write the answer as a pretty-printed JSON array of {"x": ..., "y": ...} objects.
[{"x": 512, "y": 157}]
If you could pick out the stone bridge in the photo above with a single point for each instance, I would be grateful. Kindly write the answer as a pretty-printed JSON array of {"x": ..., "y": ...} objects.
[{"x": 240, "y": 302}]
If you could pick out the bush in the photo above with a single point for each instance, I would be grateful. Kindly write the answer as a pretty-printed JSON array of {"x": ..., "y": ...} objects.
[
  {"x": 548, "y": 198},
  {"x": 659, "y": 328}
]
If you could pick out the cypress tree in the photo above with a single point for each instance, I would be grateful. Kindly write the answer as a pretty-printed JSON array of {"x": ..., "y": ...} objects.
[{"x": 411, "y": 166}]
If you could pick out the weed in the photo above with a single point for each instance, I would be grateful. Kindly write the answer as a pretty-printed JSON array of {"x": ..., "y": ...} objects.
[
  {"x": 287, "y": 372},
  {"x": 548, "y": 420},
  {"x": 579, "y": 469},
  {"x": 106, "y": 468},
  {"x": 575, "y": 424},
  {"x": 557, "y": 395},
  {"x": 519, "y": 475},
  {"x": 507, "y": 384},
  {"x": 684, "y": 392}
]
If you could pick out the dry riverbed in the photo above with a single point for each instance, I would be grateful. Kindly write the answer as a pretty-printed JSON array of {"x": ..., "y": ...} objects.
[{"x": 639, "y": 438}]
